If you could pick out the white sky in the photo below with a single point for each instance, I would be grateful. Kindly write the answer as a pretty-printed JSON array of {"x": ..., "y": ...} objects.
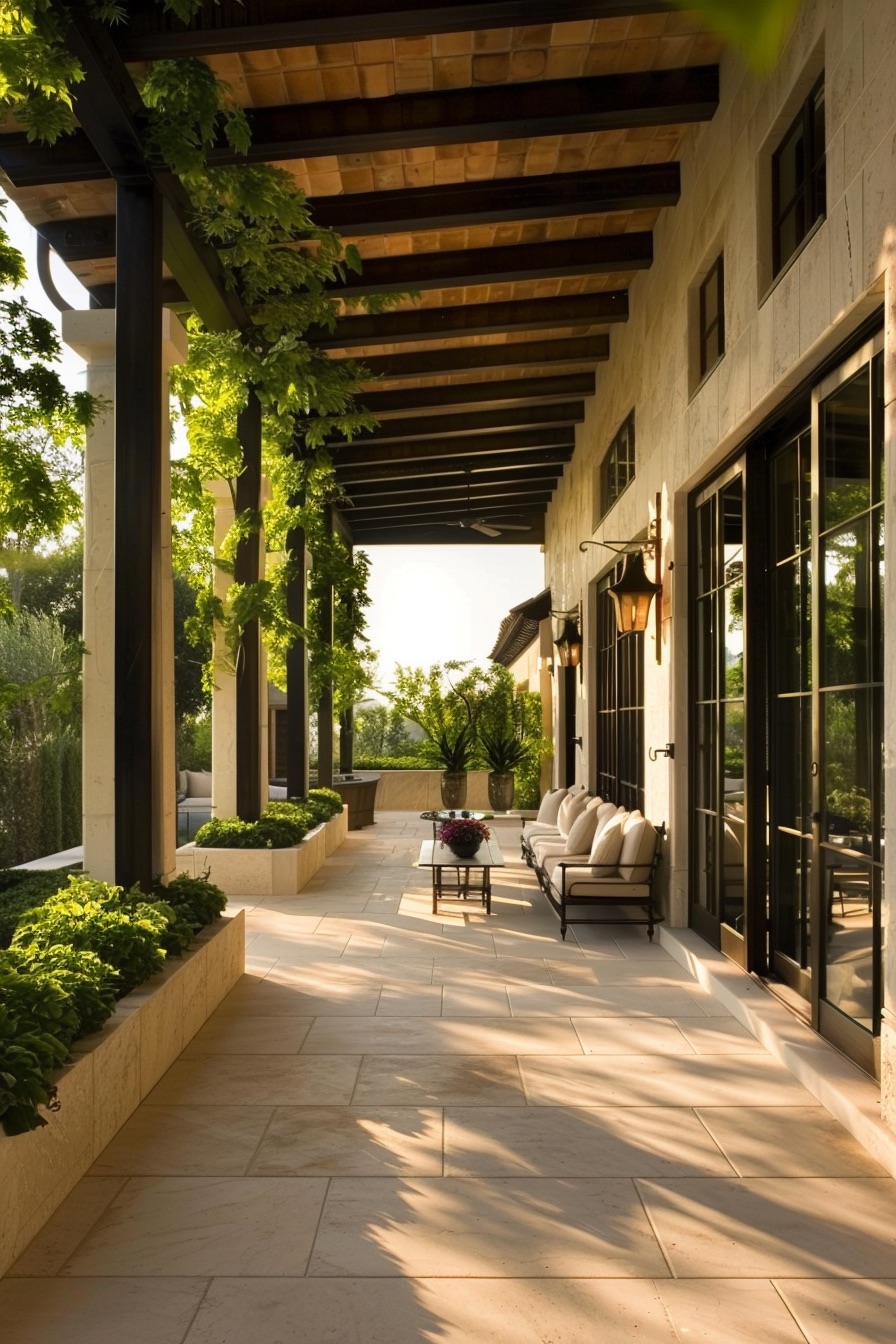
[{"x": 428, "y": 603}]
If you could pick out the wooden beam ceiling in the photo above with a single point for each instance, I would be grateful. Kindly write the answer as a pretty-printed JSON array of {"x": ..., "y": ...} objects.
[{"x": 504, "y": 162}]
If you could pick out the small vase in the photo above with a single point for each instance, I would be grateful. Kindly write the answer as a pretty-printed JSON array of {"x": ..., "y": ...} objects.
[
  {"x": 454, "y": 788},
  {"x": 465, "y": 849},
  {"x": 500, "y": 790}
]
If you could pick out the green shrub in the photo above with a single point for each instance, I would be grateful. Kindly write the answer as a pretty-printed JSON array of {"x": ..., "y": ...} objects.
[
  {"x": 22, "y": 889},
  {"x": 416, "y": 762},
  {"x": 327, "y": 798},
  {"x": 198, "y": 901},
  {"x": 89, "y": 983},
  {"x": 269, "y": 832},
  {"x": 94, "y": 916},
  {"x": 27, "y": 1057}
]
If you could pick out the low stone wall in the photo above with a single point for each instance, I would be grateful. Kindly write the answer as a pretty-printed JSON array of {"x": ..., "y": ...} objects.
[
  {"x": 419, "y": 790},
  {"x": 266, "y": 872},
  {"x": 113, "y": 1070}
]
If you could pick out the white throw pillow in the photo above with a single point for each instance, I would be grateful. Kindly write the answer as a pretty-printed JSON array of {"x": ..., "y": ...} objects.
[
  {"x": 581, "y": 832},
  {"x": 593, "y": 803},
  {"x": 572, "y": 805},
  {"x": 550, "y": 806},
  {"x": 199, "y": 783},
  {"x": 639, "y": 840},
  {"x": 604, "y": 814},
  {"x": 608, "y": 845}
]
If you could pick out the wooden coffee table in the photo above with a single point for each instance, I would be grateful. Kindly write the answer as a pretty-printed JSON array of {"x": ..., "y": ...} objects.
[{"x": 472, "y": 879}]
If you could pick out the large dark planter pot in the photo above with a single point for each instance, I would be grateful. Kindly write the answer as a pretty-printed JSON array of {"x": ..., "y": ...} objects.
[
  {"x": 454, "y": 788},
  {"x": 500, "y": 791}
]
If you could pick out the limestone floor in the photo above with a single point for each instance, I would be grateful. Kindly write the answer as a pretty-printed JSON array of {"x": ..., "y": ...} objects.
[{"x": 403, "y": 1128}]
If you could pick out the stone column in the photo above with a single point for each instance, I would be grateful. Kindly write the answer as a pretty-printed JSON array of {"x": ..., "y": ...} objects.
[{"x": 91, "y": 334}]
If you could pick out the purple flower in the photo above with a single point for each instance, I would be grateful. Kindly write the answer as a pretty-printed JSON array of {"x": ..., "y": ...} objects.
[{"x": 463, "y": 830}]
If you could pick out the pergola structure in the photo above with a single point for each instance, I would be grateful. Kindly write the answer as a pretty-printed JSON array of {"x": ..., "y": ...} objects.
[{"x": 505, "y": 161}]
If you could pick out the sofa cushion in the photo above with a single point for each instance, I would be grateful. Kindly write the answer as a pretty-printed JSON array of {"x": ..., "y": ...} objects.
[
  {"x": 581, "y": 832},
  {"x": 572, "y": 805},
  {"x": 639, "y": 841},
  {"x": 199, "y": 783},
  {"x": 181, "y": 783},
  {"x": 550, "y": 806},
  {"x": 608, "y": 845},
  {"x": 605, "y": 812}
]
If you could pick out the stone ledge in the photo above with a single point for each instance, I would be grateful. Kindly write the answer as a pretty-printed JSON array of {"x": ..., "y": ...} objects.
[
  {"x": 113, "y": 1070},
  {"x": 267, "y": 872}
]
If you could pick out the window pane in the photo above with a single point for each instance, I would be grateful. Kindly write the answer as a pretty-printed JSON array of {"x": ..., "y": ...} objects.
[
  {"x": 791, "y": 499},
  {"x": 791, "y": 781},
  {"x": 706, "y": 549},
  {"x": 847, "y": 607},
  {"x": 790, "y": 883},
  {"x": 851, "y": 767},
  {"x": 846, "y": 441},
  {"x": 705, "y": 885}
]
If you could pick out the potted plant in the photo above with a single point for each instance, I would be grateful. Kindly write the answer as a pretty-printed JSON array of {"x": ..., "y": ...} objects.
[
  {"x": 455, "y": 751},
  {"x": 503, "y": 753},
  {"x": 463, "y": 836}
]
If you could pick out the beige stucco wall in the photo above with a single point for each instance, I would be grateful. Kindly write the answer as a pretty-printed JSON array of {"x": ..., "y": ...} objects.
[{"x": 775, "y": 336}]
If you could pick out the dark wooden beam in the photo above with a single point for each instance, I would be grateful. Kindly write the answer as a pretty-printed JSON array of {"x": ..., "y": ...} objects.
[
  {"x": 298, "y": 752},
  {"x": 455, "y": 450},
  {"x": 150, "y": 35},
  {"x": 461, "y": 204},
  {"x": 326, "y": 633},
  {"x": 508, "y": 355},
  {"x": 414, "y": 120},
  {"x": 479, "y": 508},
  {"x": 438, "y": 487},
  {"x": 424, "y": 468},
  {"x": 451, "y": 397},
  {"x": 482, "y": 319},
  {"x": 108, "y": 108},
  {"x": 138, "y": 526},
  {"x": 474, "y": 422},
  {"x": 246, "y": 570},
  {"x": 492, "y": 112},
  {"x": 605, "y": 255}
]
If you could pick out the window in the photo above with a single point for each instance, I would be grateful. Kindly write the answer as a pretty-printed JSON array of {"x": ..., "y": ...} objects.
[
  {"x": 618, "y": 467},
  {"x": 711, "y": 317},
  {"x": 620, "y": 706},
  {"x": 798, "y": 179}
]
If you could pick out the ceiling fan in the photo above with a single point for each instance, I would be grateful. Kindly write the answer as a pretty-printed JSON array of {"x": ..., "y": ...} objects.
[{"x": 487, "y": 526}]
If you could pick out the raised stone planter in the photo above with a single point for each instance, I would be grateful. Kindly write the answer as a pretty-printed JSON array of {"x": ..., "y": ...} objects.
[
  {"x": 266, "y": 872},
  {"x": 113, "y": 1070}
]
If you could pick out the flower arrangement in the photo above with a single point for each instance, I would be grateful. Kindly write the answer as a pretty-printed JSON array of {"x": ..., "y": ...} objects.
[{"x": 463, "y": 834}]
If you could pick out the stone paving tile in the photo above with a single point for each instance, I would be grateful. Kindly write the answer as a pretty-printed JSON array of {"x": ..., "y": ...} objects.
[
  {"x": 204, "y": 1226},
  {"x": 491, "y": 1228},
  {"x": 660, "y": 1080},
  {"x": 351, "y": 1141},
  {"x": 100, "y": 1311},
  {"x": 452, "y": 1311},
  {"x": 211, "y": 1140},
  {"x": 842, "y": 1311},
  {"x": 827, "y": 1228},
  {"x": 732, "y": 1311}
]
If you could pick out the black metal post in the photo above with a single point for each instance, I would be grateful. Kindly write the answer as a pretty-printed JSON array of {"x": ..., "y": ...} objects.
[
  {"x": 297, "y": 754},
  {"x": 138, "y": 521},
  {"x": 248, "y": 671}
]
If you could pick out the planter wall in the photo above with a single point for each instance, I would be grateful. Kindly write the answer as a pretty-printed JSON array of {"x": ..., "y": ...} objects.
[
  {"x": 419, "y": 791},
  {"x": 266, "y": 872},
  {"x": 112, "y": 1072}
]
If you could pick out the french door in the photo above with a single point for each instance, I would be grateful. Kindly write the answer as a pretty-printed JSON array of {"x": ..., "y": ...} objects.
[
  {"x": 825, "y": 794},
  {"x": 786, "y": 693}
]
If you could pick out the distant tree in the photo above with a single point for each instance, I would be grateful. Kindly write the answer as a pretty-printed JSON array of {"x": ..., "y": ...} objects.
[{"x": 53, "y": 584}]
